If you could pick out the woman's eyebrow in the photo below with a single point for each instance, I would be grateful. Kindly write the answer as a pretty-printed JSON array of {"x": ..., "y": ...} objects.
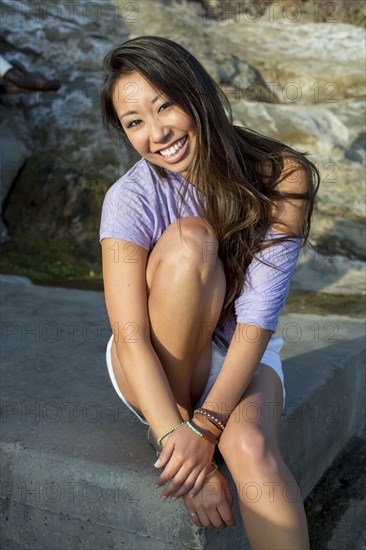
[{"x": 135, "y": 112}]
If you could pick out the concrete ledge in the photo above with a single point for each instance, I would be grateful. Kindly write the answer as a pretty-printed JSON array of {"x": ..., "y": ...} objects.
[{"x": 77, "y": 470}]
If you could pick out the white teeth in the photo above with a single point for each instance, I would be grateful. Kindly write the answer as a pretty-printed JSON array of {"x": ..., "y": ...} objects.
[{"x": 172, "y": 150}]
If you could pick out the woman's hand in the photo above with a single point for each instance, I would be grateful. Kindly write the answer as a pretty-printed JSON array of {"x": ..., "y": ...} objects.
[
  {"x": 187, "y": 459},
  {"x": 213, "y": 504}
]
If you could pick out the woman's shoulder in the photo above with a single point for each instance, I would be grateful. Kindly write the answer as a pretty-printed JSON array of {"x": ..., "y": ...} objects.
[
  {"x": 139, "y": 174},
  {"x": 139, "y": 180}
]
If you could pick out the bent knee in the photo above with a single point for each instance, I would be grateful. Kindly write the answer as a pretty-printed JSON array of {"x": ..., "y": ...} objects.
[
  {"x": 190, "y": 238},
  {"x": 193, "y": 229},
  {"x": 254, "y": 446},
  {"x": 192, "y": 244}
]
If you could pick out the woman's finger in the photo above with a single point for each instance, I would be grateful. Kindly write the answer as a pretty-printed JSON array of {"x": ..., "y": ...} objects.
[
  {"x": 176, "y": 490},
  {"x": 225, "y": 512},
  {"x": 216, "y": 519},
  {"x": 164, "y": 456},
  {"x": 203, "y": 518},
  {"x": 170, "y": 471},
  {"x": 229, "y": 496},
  {"x": 193, "y": 516},
  {"x": 200, "y": 481},
  {"x": 183, "y": 481}
]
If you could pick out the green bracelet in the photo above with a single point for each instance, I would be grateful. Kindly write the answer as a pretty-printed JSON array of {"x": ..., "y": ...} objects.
[
  {"x": 198, "y": 432},
  {"x": 209, "y": 438},
  {"x": 169, "y": 432}
]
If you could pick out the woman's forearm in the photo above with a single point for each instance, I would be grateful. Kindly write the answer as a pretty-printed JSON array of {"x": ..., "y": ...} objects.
[
  {"x": 150, "y": 384},
  {"x": 241, "y": 362}
]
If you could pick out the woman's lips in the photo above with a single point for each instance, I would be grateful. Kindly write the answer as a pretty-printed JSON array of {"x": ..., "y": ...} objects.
[{"x": 176, "y": 157}]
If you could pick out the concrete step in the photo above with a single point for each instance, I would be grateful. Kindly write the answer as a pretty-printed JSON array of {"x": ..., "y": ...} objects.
[{"x": 77, "y": 470}]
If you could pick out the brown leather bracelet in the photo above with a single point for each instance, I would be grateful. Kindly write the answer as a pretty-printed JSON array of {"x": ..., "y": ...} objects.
[
  {"x": 209, "y": 416},
  {"x": 205, "y": 419}
]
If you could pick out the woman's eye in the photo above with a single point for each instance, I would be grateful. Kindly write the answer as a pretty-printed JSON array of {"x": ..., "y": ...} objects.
[
  {"x": 132, "y": 123},
  {"x": 167, "y": 104}
]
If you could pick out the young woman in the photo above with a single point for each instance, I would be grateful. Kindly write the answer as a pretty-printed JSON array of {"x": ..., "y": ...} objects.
[{"x": 199, "y": 240}]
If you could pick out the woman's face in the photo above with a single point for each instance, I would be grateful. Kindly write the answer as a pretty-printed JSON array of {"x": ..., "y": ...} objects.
[{"x": 157, "y": 128}]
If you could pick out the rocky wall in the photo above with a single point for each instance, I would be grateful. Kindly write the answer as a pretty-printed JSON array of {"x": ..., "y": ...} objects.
[{"x": 293, "y": 78}]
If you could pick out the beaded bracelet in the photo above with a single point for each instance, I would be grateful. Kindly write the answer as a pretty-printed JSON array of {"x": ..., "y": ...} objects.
[
  {"x": 211, "y": 417},
  {"x": 169, "y": 432},
  {"x": 196, "y": 430}
]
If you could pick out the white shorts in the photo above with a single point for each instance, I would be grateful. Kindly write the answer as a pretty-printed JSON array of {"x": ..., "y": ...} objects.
[{"x": 271, "y": 357}]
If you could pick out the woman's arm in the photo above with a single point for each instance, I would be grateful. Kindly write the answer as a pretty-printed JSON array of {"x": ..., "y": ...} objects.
[
  {"x": 124, "y": 275},
  {"x": 242, "y": 359},
  {"x": 186, "y": 456},
  {"x": 263, "y": 300}
]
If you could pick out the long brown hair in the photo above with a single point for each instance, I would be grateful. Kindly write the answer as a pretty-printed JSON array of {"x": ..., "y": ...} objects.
[{"x": 235, "y": 168}]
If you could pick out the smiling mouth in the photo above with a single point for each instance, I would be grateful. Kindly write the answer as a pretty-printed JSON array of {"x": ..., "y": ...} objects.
[{"x": 174, "y": 149}]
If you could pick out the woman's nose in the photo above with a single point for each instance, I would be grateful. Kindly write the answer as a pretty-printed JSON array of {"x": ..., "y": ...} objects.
[{"x": 159, "y": 132}]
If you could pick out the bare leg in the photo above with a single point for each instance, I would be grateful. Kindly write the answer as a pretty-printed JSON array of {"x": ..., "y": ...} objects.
[
  {"x": 186, "y": 286},
  {"x": 270, "y": 502},
  {"x": 186, "y": 292}
]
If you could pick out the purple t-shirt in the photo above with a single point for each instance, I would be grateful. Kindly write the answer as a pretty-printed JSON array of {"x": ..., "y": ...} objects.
[{"x": 141, "y": 205}]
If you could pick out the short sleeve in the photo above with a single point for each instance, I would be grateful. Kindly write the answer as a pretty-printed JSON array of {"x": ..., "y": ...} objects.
[
  {"x": 266, "y": 286},
  {"x": 126, "y": 215}
]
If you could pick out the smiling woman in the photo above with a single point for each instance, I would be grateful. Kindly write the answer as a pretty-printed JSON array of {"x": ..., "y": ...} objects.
[{"x": 194, "y": 287}]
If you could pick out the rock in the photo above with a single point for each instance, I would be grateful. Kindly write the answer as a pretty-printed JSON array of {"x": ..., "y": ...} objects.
[
  {"x": 329, "y": 274},
  {"x": 302, "y": 83},
  {"x": 323, "y": 65},
  {"x": 72, "y": 160},
  {"x": 336, "y": 235}
]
